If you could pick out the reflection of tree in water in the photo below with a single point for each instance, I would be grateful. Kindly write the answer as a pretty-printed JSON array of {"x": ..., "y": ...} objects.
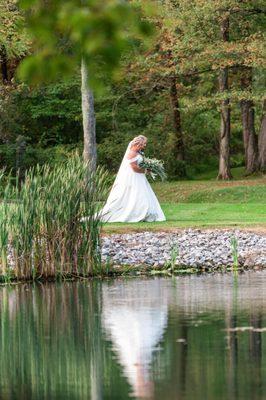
[
  {"x": 250, "y": 340},
  {"x": 135, "y": 317},
  {"x": 255, "y": 351},
  {"x": 215, "y": 363},
  {"x": 52, "y": 345}
]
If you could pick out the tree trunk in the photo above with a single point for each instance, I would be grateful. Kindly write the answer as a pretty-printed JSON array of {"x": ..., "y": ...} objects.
[
  {"x": 262, "y": 140},
  {"x": 248, "y": 124},
  {"x": 225, "y": 130},
  {"x": 179, "y": 140},
  {"x": 4, "y": 69},
  {"x": 89, "y": 131},
  {"x": 249, "y": 136}
]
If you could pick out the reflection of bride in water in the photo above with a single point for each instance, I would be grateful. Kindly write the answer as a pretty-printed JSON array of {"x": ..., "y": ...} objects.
[{"x": 135, "y": 326}]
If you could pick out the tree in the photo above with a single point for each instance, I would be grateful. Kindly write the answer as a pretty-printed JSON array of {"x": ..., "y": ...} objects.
[
  {"x": 89, "y": 150},
  {"x": 68, "y": 33},
  {"x": 238, "y": 44},
  {"x": 262, "y": 140},
  {"x": 225, "y": 130},
  {"x": 179, "y": 140},
  {"x": 195, "y": 44},
  {"x": 248, "y": 122},
  {"x": 14, "y": 41},
  {"x": 156, "y": 70}
]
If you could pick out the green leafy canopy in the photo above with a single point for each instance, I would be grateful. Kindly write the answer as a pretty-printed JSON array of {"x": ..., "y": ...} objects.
[{"x": 64, "y": 31}]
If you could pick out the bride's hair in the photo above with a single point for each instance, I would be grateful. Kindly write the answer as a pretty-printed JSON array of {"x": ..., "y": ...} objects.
[{"x": 138, "y": 140}]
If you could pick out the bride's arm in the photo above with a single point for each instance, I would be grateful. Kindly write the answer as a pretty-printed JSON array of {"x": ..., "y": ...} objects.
[
  {"x": 136, "y": 168},
  {"x": 133, "y": 163}
]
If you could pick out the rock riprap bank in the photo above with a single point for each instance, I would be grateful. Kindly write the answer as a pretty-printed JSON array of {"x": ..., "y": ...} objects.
[{"x": 189, "y": 248}]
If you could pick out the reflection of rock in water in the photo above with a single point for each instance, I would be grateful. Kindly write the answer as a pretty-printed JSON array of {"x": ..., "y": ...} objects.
[{"x": 134, "y": 317}]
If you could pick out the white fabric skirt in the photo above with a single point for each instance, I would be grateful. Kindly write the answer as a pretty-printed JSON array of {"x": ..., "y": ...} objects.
[{"x": 132, "y": 200}]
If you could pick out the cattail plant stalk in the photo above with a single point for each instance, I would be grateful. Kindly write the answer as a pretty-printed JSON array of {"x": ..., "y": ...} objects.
[{"x": 41, "y": 230}]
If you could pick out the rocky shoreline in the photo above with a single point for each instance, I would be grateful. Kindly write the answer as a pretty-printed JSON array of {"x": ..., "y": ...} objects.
[{"x": 190, "y": 248}]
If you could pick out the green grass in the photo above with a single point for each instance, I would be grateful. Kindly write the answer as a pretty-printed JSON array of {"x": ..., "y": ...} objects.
[
  {"x": 236, "y": 191},
  {"x": 238, "y": 173},
  {"x": 189, "y": 215},
  {"x": 206, "y": 203},
  {"x": 239, "y": 194}
]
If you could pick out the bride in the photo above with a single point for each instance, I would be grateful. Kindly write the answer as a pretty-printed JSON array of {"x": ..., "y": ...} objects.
[{"x": 131, "y": 198}]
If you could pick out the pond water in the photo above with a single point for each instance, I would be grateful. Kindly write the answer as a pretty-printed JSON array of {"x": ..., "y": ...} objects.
[{"x": 135, "y": 338}]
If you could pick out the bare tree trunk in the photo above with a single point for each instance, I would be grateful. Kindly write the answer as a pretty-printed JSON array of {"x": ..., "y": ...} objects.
[
  {"x": 179, "y": 140},
  {"x": 88, "y": 115},
  {"x": 225, "y": 130},
  {"x": 262, "y": 140},
  {"x": 248, "y": 123},
  {"x": 249, "y": 136}
]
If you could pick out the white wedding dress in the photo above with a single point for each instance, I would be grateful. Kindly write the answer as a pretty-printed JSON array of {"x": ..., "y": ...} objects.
[
  {"x": 134, "y": 318},
  {"x": 131, "y": 198}
]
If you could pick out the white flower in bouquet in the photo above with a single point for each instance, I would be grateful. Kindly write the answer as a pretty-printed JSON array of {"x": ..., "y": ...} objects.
[{"x": 155, "y": 167}]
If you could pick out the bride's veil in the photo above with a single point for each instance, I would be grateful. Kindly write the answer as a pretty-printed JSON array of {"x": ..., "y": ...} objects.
[{"x": 121, "y": 174}]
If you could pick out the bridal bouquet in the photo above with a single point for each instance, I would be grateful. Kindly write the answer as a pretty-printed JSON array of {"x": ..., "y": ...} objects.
[{"x": 155, "y": 167}]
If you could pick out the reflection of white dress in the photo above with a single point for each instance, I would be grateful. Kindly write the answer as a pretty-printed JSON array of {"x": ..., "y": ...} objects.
[
  {"x": 131, "y": 198},
  {"x": 135, "y": 317}
]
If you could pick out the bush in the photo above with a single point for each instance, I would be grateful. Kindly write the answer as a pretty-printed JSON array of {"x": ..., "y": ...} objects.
[{"x": 35, "y": 155}]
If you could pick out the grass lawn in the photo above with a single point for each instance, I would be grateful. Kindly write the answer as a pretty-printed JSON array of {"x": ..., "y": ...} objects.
[
  {"x": 206, "y": 203},
  {"x": 188, "y": 215}
]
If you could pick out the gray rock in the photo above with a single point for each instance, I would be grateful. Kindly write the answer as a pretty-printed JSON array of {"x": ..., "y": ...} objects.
[{"x": 195, "y": 247}]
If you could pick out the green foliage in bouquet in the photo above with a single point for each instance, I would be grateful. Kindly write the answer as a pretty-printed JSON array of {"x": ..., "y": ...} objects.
[{"x": 155, "y": 167}]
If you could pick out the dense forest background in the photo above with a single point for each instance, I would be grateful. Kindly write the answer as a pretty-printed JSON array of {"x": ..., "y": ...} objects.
[{"x": 195, "y": 86}]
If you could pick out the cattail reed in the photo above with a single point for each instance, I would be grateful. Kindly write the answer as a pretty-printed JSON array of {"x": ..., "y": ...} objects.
[
  {"x": 234, "y": 248},
  {"x": 41, "y": 230}
]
